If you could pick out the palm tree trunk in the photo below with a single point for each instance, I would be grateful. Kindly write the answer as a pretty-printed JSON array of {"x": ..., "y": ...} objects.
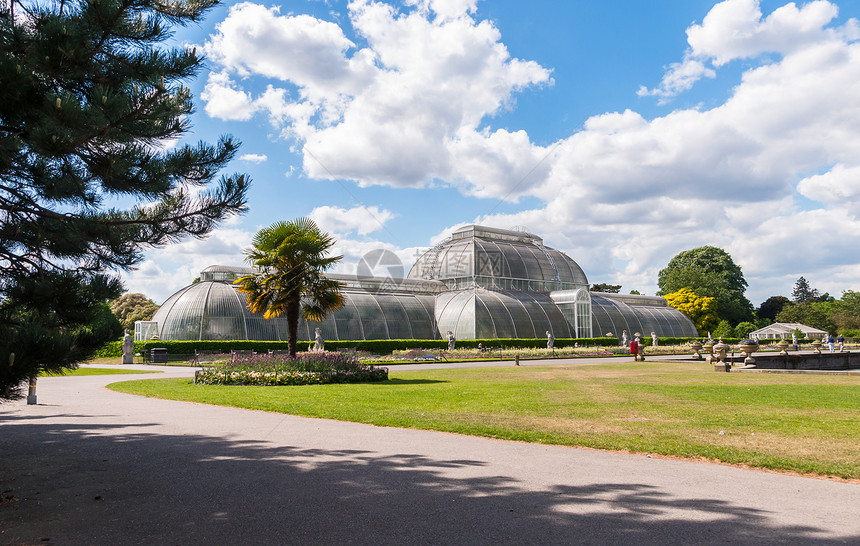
[{"x": 293, "y": 308}]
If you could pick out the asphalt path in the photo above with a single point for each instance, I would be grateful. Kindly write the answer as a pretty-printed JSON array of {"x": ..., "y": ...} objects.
[{"x": 91, "y": 466}]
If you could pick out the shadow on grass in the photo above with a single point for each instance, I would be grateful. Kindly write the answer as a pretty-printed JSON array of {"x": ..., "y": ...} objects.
[
  {"x": 400, "y": 381},
  {"x": 94, "y": 482}
]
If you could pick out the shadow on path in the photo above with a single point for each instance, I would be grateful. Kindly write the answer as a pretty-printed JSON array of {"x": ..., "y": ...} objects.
[{"x": 100, "y": 484}]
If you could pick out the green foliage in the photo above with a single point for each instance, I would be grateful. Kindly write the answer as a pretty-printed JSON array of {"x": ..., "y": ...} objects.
[
  {"x": 723, "y": 330},
  {"x": 379, "y": 347},
  {"x": 111, "y": 349},
  {"x": 90, "y": 94},
  {"x": 129, "y": 308},
  {"x": 603, "y": 287},
  {"x": 845, "y": 312},
  {"x": 744, "y": 329},
  {"x": 810, "y": 314},
  {"x": 33, "y": 342},
  {"x": 103, "y": 325},
  {"x": 803, "y": 292},
  {"x": 290, "y": 258},
  {"x": 771, "y": 307},
  {"x": 305, "y": 369},
  {"x": 699, "y": 309},
  {"x": 711, "y": 272}
]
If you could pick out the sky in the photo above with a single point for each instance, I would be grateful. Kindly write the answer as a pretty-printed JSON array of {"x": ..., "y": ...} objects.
[{"x": 621, "y": 132}]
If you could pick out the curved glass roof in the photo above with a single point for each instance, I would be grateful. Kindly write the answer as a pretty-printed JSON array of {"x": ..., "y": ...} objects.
[
  {"x": 644, "y": 314},
  {"x": 212, "y": 310},
  {"x": 487, "y": 314},
  {"x": 499, "y": 259}
]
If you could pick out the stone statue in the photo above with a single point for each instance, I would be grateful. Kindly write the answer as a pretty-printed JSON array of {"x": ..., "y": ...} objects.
[
  {"x": 710, "y": 338},
  {"x": 451, "y": 340},
  {"x": 624, "y": 338},
  {"x": 794, "y": 340},
  {"x": 550, "y": 340},
  {"x": 653, "y": 339},
  {"x": 319, "y": 342},
  {"x": 127, "y": 348}
]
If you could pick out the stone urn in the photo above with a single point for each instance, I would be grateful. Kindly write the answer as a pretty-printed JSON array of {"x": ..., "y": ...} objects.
[
  {"x": 783, "y": 347},
  {"x": 697, "y": 347},
  {"x": 816, "y": 347},
  {"x": 719, "y": 358},
  {"x": 748, "y": 349}
]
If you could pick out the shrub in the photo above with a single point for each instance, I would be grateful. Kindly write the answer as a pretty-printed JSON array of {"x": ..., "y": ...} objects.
[
  {"x": 305, "y": 369},
  {"x": 378, "y": 347},
  {"x": 109, "y": 350}
]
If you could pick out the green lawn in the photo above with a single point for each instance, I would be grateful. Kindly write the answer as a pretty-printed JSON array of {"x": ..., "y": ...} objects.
[
  {"x": 98, "y": 371},
  {"x": 801, "y": 423}
]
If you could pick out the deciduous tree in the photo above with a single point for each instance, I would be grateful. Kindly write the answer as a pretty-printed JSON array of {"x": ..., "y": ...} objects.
[
  {"x": 771, "y": 307},
  {"x": 130, "y": 308},
  {"x": 709, "y": 271},
  {"x": 701, "y": 310}
]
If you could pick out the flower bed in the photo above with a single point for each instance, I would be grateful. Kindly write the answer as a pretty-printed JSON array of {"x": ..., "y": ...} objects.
[{"x": 305, "y": 369}]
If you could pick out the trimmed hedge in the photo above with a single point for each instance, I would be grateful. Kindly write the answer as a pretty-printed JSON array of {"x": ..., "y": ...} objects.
[
  {"x": 109, "y": 350},
  {"x": 380, "y": 346}
]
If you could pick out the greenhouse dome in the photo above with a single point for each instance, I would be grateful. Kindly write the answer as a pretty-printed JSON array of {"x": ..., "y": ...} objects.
[{"x": 481, "y": 283}]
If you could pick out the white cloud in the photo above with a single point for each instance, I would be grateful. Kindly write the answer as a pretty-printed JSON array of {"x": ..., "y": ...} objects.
[
  {"x": 254, "y": 158},
  {"x": 736, "y": 29},
  {"x": 396, "y": 112},
  {"x": 679, "y": 78},
  {"x": 171, "y": 268},
  {"x": 226, "y": 102},
  {"x": 360, "y": 219},
  {"x": 838, "y": 187},
  {"x": 622, "y": 196}
]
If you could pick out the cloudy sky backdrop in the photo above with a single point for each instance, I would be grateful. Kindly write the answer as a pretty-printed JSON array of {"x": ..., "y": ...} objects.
[{"x": 621, "y": 132}]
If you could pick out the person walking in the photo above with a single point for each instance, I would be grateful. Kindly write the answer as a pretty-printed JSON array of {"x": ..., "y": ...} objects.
[
  {"x": 841, "y": 342},
  {"x": 634, "y": 348},
  {"x": 831, "y": 343}
]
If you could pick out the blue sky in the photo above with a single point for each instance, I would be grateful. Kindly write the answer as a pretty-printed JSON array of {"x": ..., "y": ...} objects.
[{"x": 621, "y": 132}]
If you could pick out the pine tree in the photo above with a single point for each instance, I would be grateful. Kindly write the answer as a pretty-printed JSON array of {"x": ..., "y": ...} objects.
[
  {"x": 803, "y": 292},
  {"x": 91, "y": 98}
]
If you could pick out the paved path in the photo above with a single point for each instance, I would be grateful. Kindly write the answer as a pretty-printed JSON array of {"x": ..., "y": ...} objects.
[{"x": 90, "y": 466}]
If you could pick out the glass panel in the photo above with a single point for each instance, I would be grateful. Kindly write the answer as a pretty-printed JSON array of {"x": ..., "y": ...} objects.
[
  {"x": 348, "y": 320},
  {"x": 420, "y": 322},
  {"x": 491, "y": 317},
  {"x": 517, "y": 267},
  {"x": 602, "y": 321},
  {"x": 183, "y": 322},
  {"x": 372, "y": 319},
  {"x": 397, "y": 321}
]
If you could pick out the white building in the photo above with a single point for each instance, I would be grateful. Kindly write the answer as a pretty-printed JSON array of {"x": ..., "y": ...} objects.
[{"x": 783, "y": 330}]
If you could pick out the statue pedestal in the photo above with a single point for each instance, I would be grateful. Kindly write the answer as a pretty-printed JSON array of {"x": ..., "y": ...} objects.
[{"x": 127, "y": 358}]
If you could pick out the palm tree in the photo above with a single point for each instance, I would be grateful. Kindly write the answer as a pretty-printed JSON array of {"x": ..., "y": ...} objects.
[{"x": 289, "y": 258}]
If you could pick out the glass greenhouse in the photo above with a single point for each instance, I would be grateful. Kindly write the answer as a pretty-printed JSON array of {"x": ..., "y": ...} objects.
[{"x": 481, "y": 283}]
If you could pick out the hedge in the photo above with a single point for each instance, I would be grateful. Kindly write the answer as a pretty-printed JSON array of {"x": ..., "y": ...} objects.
[{"x": 381, "y": 346}]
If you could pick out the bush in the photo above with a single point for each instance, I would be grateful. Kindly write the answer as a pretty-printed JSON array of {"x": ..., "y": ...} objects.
[
  {"x": 379, "y": 347},
  {"x": 305, "y": 369},
  {"x": 109, "y": 350}
]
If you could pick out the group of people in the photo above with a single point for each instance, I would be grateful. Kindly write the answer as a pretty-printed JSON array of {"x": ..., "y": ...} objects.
[{"x": 833, "y": 343}]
